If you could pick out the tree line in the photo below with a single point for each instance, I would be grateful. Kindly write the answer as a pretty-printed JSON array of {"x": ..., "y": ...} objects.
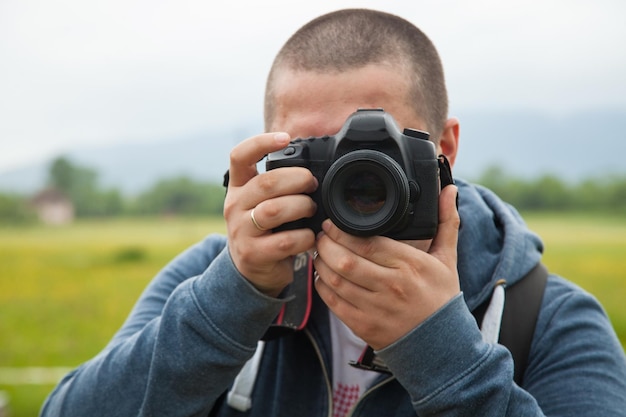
[
  {"x": 183, "y": 196},
  {"x": 550, "y": 193},
  {"x": 178, "y": 196}
]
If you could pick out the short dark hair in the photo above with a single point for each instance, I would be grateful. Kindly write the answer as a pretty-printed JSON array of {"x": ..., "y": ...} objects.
[{"x": 353, "y": 38}]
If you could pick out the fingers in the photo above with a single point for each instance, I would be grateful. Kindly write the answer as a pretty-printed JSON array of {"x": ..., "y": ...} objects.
[
  {"x": 244, "y": 157},
  {"x": 351, "y": 255},
  {"x": 273, "y": 248},
  {"x": 445, "y": 242},
  {"x": 274, "y": 212},
  {"x": 336, "y": 291},
  {"x": 247, "y": 189},
  {"x": 276, "y": 183},
  {"x": 377, "y": 250},
  {"x": 266, "y": 261},
  {"x": 269, "y": 200},
  {"x": 257, "y": 203}
]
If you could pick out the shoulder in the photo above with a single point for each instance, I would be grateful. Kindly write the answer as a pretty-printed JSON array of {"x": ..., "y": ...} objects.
[
  {"x": 574, "y": 344},
  {"x": 211, "y": 245},
  {"x": 198, "y": 256},
  {"x": 567, "y": 301},
  {"x": 569, "y": 309}
]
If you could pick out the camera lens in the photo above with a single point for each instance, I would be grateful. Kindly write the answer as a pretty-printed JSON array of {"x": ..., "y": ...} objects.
[{"x": 365, "y": 193}]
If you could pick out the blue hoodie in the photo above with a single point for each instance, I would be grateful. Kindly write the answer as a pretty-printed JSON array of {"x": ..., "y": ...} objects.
[{"x": 199, "y": 321}]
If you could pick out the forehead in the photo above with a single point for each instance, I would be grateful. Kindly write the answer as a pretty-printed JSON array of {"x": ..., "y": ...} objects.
[{"x": 308, "y": 103}]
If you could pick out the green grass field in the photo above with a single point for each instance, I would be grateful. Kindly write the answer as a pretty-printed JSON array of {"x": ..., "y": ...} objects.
[
  {"x": 589, "y": 250},
  {"x": 65, "y": 291}
]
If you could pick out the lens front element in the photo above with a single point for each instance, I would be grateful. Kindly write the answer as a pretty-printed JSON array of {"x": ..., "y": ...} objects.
[{"x": 365, "y": 193}]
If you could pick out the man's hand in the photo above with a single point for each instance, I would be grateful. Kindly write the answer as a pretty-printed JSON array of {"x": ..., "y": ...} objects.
[
  {"x": 269, "y": 199},
  {"x": 381, "y": 288}
]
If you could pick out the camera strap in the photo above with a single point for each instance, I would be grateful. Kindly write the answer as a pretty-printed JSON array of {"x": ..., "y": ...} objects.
[
  {"x": 295, "y": 312},
  {"x": 445, "y": 172}
]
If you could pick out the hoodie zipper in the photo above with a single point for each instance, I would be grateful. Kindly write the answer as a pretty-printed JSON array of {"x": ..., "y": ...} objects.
[
  {"x": 329, "y": 387},
  {"x": 368, "y": 392}
]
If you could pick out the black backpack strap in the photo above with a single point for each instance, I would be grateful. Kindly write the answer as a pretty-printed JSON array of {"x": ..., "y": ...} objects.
[{"x": 521, "y": 309}]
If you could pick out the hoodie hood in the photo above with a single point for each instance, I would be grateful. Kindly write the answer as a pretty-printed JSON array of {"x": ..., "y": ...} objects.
[{"x": 494, "y": 243}]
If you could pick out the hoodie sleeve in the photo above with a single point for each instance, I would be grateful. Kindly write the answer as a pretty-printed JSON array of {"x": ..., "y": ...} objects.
[
  {"x": 186, "y": 339},
  {"x": 576, "y": 365}
]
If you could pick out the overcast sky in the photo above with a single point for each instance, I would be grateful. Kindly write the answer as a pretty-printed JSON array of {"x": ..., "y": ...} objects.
[{"x": 77, "y": 73}]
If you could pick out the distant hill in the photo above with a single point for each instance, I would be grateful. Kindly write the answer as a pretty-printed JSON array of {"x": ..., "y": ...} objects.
[
  {"x": 524, "y": 144},
  {"x": 528, "y": 144},
  {"x": 134, "y": 167}
]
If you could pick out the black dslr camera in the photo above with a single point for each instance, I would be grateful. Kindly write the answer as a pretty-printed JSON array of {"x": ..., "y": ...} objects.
[{"x": 374, "y": 179}]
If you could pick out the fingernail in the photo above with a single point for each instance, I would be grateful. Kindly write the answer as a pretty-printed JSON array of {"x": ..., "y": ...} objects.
[
  {"x": 326, "y": 225},
  {"x": 282, "y": 138}
]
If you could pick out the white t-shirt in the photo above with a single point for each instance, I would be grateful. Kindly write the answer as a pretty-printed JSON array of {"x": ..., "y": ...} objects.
[{"x": 349, "y": 383}]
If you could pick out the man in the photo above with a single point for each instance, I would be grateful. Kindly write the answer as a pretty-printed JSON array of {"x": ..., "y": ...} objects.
[{"x": 201, "y": 318}]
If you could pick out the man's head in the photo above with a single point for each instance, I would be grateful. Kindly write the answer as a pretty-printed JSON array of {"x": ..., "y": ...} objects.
[{"x": 376, "y": 59}]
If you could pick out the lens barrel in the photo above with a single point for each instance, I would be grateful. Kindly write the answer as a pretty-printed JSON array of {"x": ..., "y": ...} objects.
[{"x": 366, "y": 193}]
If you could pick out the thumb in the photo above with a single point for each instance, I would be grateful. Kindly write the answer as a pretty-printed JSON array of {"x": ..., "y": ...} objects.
[{"x": 445, "y": 242}]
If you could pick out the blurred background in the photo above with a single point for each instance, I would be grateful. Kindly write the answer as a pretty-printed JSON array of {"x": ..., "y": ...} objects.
[{"x": 117, "y": 117}]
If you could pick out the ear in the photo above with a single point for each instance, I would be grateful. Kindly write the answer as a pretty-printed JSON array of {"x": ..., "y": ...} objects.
[{"x": 449, "y": 141}]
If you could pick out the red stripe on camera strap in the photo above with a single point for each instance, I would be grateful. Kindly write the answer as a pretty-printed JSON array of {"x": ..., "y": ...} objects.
[
  {"x": 370, "y": 362},
  {"x": 295, "y": 313}
]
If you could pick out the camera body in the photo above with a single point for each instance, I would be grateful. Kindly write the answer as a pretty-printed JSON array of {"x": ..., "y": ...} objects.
[{"x": 374, "y": 179}]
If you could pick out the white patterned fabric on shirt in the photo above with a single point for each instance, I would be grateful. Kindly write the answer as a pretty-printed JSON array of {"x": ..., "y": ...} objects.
[{"x": 349, "y": 383}]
